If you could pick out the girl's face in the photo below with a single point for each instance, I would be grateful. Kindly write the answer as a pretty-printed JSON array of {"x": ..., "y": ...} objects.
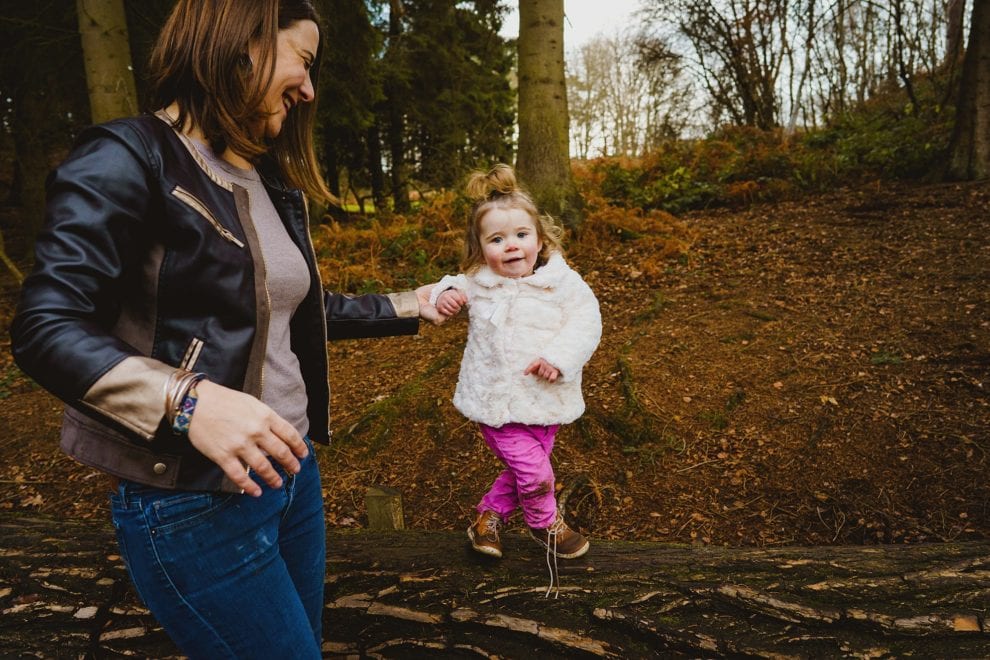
[
  {"x": 509, "y": 242},
  {"x": 291, "y": 84}
]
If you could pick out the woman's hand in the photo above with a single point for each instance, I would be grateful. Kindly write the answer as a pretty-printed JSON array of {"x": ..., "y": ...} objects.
[
  {"x": 542, "y": 369},
  {"x": 427, "y": 311},
  {"x": 451, "y": 301},
  {"x": 238, "y": 432}
]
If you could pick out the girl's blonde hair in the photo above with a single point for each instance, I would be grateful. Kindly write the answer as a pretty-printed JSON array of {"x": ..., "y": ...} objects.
[{"x": 498, "y": 189}]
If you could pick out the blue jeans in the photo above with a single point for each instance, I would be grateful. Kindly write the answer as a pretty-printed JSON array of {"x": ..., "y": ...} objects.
[{"x": 227, "y": 575}]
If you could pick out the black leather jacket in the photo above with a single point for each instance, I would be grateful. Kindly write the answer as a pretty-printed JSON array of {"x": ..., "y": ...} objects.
[{"x": 150, "y": 262}]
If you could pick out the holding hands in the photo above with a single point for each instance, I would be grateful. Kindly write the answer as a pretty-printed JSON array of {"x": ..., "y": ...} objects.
[
  {"x": 451, "y": 301},
  {"x": 427, "y": 311}
]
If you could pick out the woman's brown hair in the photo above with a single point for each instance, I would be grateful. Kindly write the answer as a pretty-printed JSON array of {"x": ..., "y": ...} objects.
[
  {"x": 497, "y": 189},
  {"x": 201, "y": 62}
]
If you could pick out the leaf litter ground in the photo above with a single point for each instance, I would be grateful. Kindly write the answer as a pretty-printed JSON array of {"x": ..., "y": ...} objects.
[{"x": 810, "y": 372}]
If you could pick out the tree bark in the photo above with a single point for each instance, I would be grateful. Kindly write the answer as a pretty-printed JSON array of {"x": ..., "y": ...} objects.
[
  {"x": 954, "y": 29},
  {"x": 64, "y": 592},
  {"x": 375, "y": 168},
  {"x": 107, "y": 59},
  {"x": 969, "y": 150},
  {"x": 543, "y": 159},
  {"x": 30, "y": 122},
  {"x": 396, "y": 116}
]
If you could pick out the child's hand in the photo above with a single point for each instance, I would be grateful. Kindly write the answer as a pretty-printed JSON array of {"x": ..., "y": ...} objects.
[
  {"x": 543, "y": 369},
  {"x": 450, "y": 301},
  {"x": 427, "y": 311}
]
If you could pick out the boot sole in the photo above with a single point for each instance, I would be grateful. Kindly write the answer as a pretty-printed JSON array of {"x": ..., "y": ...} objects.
[{"x": 484, "y": 549}]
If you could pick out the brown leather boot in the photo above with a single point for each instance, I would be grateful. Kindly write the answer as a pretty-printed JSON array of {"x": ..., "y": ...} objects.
[
  {"x": 484, "y": 534},
  {"x": 561, "y": 540}
]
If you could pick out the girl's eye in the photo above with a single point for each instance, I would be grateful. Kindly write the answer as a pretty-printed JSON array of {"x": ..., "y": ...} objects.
[
  {"x": 522, "y": 234},
  {"x": 497, "y": 239}
]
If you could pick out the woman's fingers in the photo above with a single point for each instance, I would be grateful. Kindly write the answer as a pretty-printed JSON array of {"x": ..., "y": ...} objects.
[
  {"x": 241, "y": 477},
  {"x": 239, "y": 433},
  {"x": 262, "y": 466},
  {"x": 285, "y": 444}
]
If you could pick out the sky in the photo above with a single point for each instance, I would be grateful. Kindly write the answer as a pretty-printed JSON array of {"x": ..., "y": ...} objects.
[{"x": 583, "y": 19}]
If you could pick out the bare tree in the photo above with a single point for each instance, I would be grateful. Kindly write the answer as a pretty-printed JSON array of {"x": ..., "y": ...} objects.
[
  {"x": 583, "y": 102},
  {"x": 954, "y": 29},
  {"x": 969, "y": 152},
  {"x": 671, "y": 98},
  {"x": 739, "y": 48},
  {"x": 767, "y": 62},
  {"x": 610, "y": 97},
  {"x": 808, "y": 18}
]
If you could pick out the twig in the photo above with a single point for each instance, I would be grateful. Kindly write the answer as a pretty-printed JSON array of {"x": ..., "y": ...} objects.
[
  {"x": 691, "y": 467},
  {"x": 569, "y": 489}
]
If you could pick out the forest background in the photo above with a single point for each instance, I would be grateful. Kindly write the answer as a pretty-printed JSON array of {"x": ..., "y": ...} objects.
[{"x": 780, "y": 203}]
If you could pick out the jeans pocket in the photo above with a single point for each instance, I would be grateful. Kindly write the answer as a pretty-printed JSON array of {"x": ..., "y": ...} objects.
[{"x": 177, "y": 510}]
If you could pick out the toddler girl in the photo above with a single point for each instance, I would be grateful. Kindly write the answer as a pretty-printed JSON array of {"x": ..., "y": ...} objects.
[{"x": 533, "y": 325}]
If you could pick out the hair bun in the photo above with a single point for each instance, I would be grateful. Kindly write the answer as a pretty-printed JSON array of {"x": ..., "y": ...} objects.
[{"x": 500, "y": 180}]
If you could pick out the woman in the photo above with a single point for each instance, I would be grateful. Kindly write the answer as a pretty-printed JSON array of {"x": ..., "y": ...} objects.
[{"x": 176, "y": 308}]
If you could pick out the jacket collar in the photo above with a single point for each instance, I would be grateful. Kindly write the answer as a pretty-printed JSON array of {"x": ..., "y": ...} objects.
[
  {"x": 266, "y": 167},
  {"x": 545, "y": 277}
]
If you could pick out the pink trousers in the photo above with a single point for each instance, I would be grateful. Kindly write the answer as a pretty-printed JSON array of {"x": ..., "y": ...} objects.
[{"x": 527, "y": 481}]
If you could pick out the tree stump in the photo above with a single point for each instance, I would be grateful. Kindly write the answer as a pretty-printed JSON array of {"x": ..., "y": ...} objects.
[
  {"x": 414, "y": 594},
  {"x": 384, "y": 507}
]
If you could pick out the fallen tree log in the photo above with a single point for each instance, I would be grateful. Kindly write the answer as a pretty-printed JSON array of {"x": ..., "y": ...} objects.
[{"x": 64, "y": 593}]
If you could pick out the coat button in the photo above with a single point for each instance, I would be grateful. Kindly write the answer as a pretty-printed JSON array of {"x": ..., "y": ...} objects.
[{"x": 160, "y": 468}]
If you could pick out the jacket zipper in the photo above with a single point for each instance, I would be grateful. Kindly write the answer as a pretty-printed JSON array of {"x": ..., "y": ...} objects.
[
  {"x": 321, "y": 309},
  {"x": 187, "y": 197},
  {"x": 319, "y": 284},
  {"x": 192, "y": 354},
  {"x": 268, "y": 301}
]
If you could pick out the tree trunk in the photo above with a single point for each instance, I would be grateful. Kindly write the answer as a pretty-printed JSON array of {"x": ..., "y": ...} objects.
[
  {"x": 954, "y": 29},
  {"x": 375, "y": 168},
  {"x": 969, "y": 150},
  {"x": 31, "y": 149},
  {"x": 107, "y": 59},
  {"x": 396, "y": 116},
  {"x": 543, "y": 158},
  {"x": 64, "y": 592}
]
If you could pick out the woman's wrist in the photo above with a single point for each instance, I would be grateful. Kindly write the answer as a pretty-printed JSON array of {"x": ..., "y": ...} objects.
[{"x": 181, "y": 397}]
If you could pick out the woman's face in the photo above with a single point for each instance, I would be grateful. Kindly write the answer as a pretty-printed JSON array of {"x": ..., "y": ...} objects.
[{"x": 291, "y": 84}]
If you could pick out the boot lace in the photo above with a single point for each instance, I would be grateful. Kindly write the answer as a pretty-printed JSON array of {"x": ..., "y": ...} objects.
[
  {"x": 492, "y": 525},
  {"x": 553, "y": 531}
]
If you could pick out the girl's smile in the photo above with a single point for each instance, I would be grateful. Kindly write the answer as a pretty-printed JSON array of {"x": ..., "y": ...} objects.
[{"x": 510, "y": 242}]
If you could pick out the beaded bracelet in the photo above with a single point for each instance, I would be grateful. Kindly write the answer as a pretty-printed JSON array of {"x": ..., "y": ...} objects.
[{"x": 186, "y": 408}]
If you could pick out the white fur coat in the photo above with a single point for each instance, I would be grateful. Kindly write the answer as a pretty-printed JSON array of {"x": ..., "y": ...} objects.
[{"x": 551, "y": 314}]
